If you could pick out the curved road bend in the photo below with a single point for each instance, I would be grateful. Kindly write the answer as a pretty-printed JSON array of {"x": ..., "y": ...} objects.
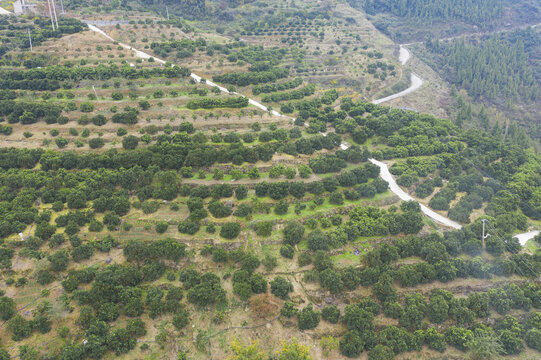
[{"x": 415, "y": 80}]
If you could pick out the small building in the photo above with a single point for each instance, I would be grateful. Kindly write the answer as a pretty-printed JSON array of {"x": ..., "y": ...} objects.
[{"x": 20, "y": 7}]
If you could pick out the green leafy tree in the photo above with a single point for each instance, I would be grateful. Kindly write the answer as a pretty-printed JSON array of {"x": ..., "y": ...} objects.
[
  {"x": 230, "y": 230},
  {"x": 435, "y": 340},
  {"x": 318, "y": 240},
  {"x": 287, "y": 251},
  {"x": 438, "y": 310},
  {"x": 86, "y": 316},
  {"x": 8, "y": 308},
  {"x": 130, "y": 142},
  {"x": 120, "y": 341},
  {"x": 59, "y": 260},
  {"x": 322, "y": 261},
  {"x": 161, "y": 227},
  {"x": 281, "y": 287},
  {"x": 380, "y": 352},
  {"x": 250, "y": 262},
  {"x": 258, "y": 283},
  {"x": 384, "y": 290},
  {"x": 484, "y": 345},
  {"x": 533, "y": 339},
  {"x": 180, "y": 319},
  {"x": 293, "y": 233},
  {"x": 308, "y": 318},
  {"x": 458, "y": 337},
  {"x": 281, "y": 207},
  {"x": 351, "y": 344},
  {"x": 330, "y": 314},
  {"x": 19, "y": 327},
  {"x": 243, "y": 290},
  {"x": 332, "y": 280}
]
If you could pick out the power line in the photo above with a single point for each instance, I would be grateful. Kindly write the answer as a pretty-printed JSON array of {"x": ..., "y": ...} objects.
[
  {"x": 30, "y": 38},
  {"x": 511, "y": 250}
]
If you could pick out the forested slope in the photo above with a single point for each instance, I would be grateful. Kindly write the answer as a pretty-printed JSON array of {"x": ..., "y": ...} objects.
[
  {"x": 501, "y": 71},
  {"x": 470, "y": 11},
  {"x": 414, "y": 20},
  {"x": 496, "y": 69}
]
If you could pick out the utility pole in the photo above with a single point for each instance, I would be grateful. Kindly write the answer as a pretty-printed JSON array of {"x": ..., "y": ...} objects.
[
  {"x": 167, "y": 10},
  {"x": 30, "y": 39},
  {"x": 95, "y": 92},
  {"x": 484, "y": 236},
  {"x": 50, "y": 12},
  {"x": 62, "y": 6},
  {"x": 54, "y": 11}
]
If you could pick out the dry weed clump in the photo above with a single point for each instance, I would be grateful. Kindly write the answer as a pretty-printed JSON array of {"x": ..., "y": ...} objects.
[{"x": 264, "y": 306}]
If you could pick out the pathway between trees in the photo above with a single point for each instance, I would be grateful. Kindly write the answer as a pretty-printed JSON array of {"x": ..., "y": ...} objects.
[
  {"x": 144, "y": 55},
  {"x": 393, "y": 186},
  {"x": 404, "y": 57}
]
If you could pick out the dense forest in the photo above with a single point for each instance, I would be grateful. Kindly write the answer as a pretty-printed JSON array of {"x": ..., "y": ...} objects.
[
  {"x": 494, "y": 69},
  {"x": 401, "y": 19},
  {"x": 501, "y": 70},
  {"x": 471, "y": 11}
]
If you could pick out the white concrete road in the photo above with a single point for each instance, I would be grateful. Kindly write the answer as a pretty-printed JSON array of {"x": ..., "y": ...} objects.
[
  {"x": 393, "y": 186},
  {"x": 524, "y": 237},
  {"x": 404, "y": 55},
  {"x": 415, "y": 81},
  {"x": 5, "y": 12}
]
